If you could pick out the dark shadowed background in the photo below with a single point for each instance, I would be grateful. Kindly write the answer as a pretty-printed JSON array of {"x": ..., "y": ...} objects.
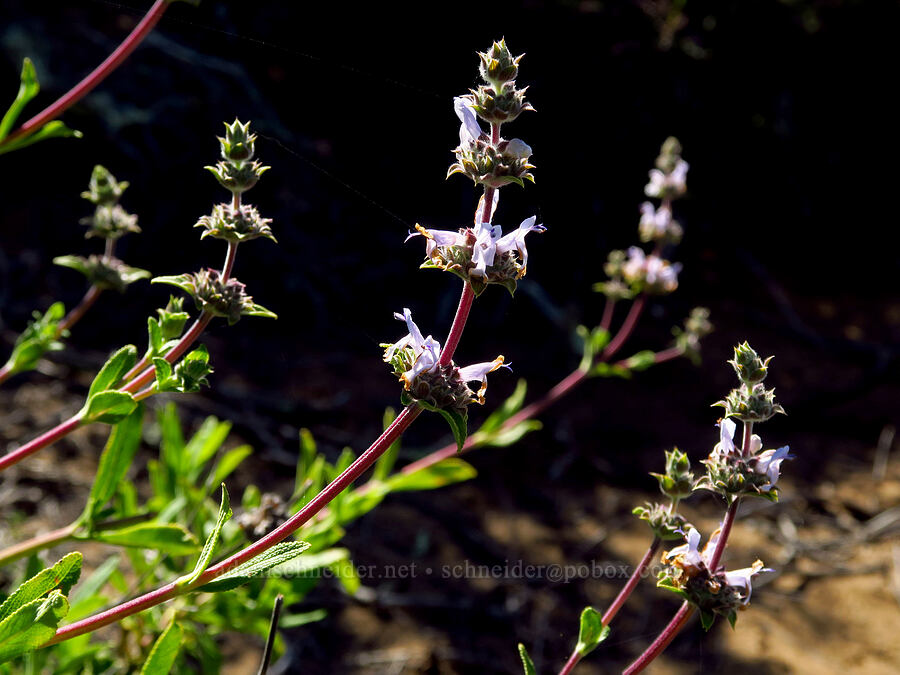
[{"x": 782, "y": 109}]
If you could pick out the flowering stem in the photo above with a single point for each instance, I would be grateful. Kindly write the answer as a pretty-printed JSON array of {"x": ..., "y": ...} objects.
[
  {"x": 79, "y": 311},
  {"x": 338, "y": 485},
  {"x": 661, "y": 642},
  {"x": 38, "y": 543},
  {"x": 681, "y": 617},
  {"x": 41, "y": 441},
  {"x": 623, "y": 595},
  {"x": 459, "y": 323},
  {"x": 627, "y": 327},
  {"x": 99, "y": 74},
  {"x": 229, "y": 260}
]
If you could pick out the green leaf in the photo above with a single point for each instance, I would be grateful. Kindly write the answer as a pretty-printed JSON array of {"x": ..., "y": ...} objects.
[
  {"x": 169, "y": 538},
  {"x": 505, "y": 437},
  {"x": 527, "y": 663},
  {"x": 31, "y": 625},
  {"x": 183, "y": 281},
  {"x": 37, "y": 339},
  {"x": 54, "y": 129},
  {"x": 301, "y": 619},
  {"x": 256, "y": 567},
  {"x": 457, "y": 422},
  {"x": 62, "y": 576},
  {"x": 109, "y": 407},
  {"x": 171, "y": 447},
  {"x": 229, "y": 462},
  {"x": 114, "y": 462},
  {"x": 113, "y": 370},
  {"x": 205, "y": 443},
  {"x": 707, "y": 619},
  {"x": 446, "y": 472},
  {"x": 257, "y": 310},
  {"x": 210, "y": 546},
  {"x": 28, "y": 89},
  {"x": 165, "y": 650},
  {"x": 507, "y": 409},
  {"x": 591, "y": 631},
  {"x": 609, "y": 370},
  {"x": 345, "y": 572}
]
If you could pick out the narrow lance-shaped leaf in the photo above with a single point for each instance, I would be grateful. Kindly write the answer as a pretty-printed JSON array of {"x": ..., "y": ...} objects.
[
  {"x": 112, "y": 371},
  {"x": 458, "y": 424},
  {"x": 114, "y": 462},
  {"x": 169, "y": 538},
  {"x": 54, "y": 129},
  {"x": 165, "y": 651},
  {"x": 210, "y": 546},
  {"x": 257, "y": 567},
  {"x": 527, "y": 663},
  {"x": 446, "y": 472},
  {"x": 28, "y": 89},
  {"x": 108, "y": 407}
]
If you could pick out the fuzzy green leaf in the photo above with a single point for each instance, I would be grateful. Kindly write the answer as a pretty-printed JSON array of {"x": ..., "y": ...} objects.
[
  {"x": 62, "y": 576},
  {"x": 113, "y": 370},
  {"x": 591, "y": 631},
  {"x": 114, "y": 462},
  {"x": 229, "y": 462},
  {"x": 458, "y": 422},
  {"x": 37, "y": 339},
  {"x": 28, "y": 89},
  {"x": 31, "y": 625},
  {"x": 108, "y": 407},
  {"x": 169, "y": 538},
  {"x": 256, "y": 567},
  {"x": 527, "y": 663},
  {"x": 210, "y": 546},
  {"x": 165, "y": 650},
  {"x": 54, "y": 129},
  {"x": 505, "y": 410},
  {"x": 446, "y": 472}
]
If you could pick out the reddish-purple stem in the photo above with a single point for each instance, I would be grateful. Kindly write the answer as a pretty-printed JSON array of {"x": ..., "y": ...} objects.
[
  {"x": 79, "y": 311},
  {"x": 661, "y": 642},
  {"x": 5, "y": 372},
  {"x": 41, "y": 441},
  {"x": 606, "y": 319},
  {"x": 99, "y": 74},
  {"x": 338, "y": 485},
  {"x": 571, "y": 663},
  {"x": 459, "y": 323},
  {"x": 627, "y": 327},
  {"x": 681, "y": 617},
  {"x": 623, "y": 595}
]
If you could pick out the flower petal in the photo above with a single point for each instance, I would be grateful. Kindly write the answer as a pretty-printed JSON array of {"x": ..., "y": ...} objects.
[
  {"x": 469, "y": 129},
  {"x": 479, "y": 371}
]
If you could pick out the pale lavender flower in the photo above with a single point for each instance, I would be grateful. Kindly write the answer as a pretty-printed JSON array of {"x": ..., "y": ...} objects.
[
  {"x": 435, "y": 238},
  {"x": 518, "y": 149},
  {"x": 664, "y": 185},
  {"x": 659, "y": 272},
  {"x": 655, "y": 221},
  {"x": 633, "y": 269},
  {"x": 741, "y": 579},
  {"x": 516, "y": 240},
  {"x": 769, "y": 462},
  {"x": 469, "y": 129},
  {"x": 426, "y": 350},
  {"x": 479, "y": 371},
  {"x": 688, "y": 554}
]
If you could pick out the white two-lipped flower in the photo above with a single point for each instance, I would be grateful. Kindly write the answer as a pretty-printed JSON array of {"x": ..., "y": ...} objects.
[
  {"x": 469, "y": 129},
  {"x": 768, "y": 462},
  {"x": 427, "y": 356},
  {"x": 661, "y": 182},
  {"x": 692, "y": 560},
  {"x": 489, "y": 240}
]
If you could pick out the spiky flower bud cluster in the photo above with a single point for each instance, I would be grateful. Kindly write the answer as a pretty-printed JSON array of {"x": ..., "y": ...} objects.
[
  {"x": 110, "y": 220},
  {"x": 440, "y": 387},
  {"x": 751, "y": 401},
  {"x": 668, "y": 179},
  {"x": 235, "y": 224},
  {"x": 228, "y": 300},
  {"x": 104, "y": 272},
  {"x": 678, "y": 480},
  {"x": 486, "y": 158},
  {"x": 663, "y": 521},
  {"x": 237, "y": 171}
]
